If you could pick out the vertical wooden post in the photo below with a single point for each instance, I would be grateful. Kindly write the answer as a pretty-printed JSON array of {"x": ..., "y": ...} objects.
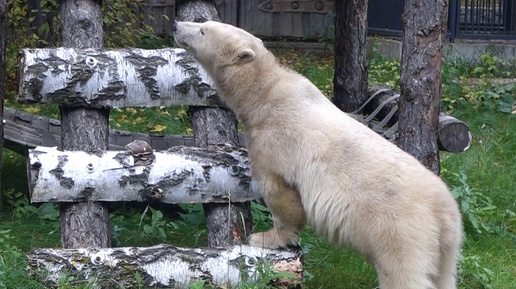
[
  {"x": 228, "y": 224},
  {"x": 3, "y": 34},
  {"x": 84, "y": 224},
  {"x": 424, "y": 27},
  {"x": 350, "y": 77}
]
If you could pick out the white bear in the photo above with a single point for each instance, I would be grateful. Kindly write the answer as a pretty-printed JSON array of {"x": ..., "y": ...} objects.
[{"x": 316, "y": 165}]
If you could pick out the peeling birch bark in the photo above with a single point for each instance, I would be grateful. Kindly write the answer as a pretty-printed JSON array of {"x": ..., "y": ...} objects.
[
  {"x": 114, "y": 78},
  {"x": 178, "y": 175},
  {"x": 164, "y": 266}
]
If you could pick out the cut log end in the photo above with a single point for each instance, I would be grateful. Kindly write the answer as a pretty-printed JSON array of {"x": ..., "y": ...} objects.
[
  {"x": 454, "y": 135},
  {"x": 166, "y": 266}
]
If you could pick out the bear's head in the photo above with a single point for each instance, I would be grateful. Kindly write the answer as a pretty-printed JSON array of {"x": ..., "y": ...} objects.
[
  {"x": 242, "y": 68},
  {"x": 215, "y": 45}
]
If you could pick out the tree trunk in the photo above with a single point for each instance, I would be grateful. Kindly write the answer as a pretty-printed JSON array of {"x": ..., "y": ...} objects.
[
  {"x": 164, "y": 266},
  {"x": 230, "y": 223},
  {"x": 424, "y": 27},
  {"x": 3, "y": 34},
  {"x": 84, "y": 224},
  {"x": 350, "y": 76},
  {"x": 197, "y": 11}
]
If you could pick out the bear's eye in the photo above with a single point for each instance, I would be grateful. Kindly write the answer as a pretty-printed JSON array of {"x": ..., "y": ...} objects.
[{"x": 202, "y": 31}]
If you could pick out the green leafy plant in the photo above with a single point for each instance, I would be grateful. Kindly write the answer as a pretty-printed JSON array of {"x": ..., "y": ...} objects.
[
  {"x": 491, "y": 65},
  {"x": 157, "y": 224},
  {"x": 124, "y": 23},
  {"x": 193, "y": 214},
  {"x": 384, "y": 71},
  {"x": 478, "y": 209},
  {"x": 471, "y": 270},
  {"x": 193, "y": 218},
  {"x": 197, "y": 284},
  {"x": 46, "y": 211},
  {"x": 17, "y": 201},
  {"x": 263, "y": 277},
  {"x": 261, "y": 214},
  {"x": 327, "y": 37}
]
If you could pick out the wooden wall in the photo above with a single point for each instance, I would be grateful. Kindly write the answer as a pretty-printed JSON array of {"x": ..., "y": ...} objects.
[{"x": 245, "y": 14}]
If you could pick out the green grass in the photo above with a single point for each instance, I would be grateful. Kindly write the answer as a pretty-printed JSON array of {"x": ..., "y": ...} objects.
[{"x": 487, "y": 186}]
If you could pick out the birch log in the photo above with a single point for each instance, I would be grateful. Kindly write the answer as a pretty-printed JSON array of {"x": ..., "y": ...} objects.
[
  {"x": 178, "y": 175},
  {"x": 114, "y": 78},
  {"x": 164, "y": 266}
]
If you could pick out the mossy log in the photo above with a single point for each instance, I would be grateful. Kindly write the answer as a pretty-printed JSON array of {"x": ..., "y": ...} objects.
[{"x": 165, "y": 266}]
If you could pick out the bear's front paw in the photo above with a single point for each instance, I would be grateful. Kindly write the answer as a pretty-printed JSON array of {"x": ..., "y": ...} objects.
[{"x": 272, "y": 240}]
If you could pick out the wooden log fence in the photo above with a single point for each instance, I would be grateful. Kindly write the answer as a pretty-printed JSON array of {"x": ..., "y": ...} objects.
[{"x": 86, "y": 82}]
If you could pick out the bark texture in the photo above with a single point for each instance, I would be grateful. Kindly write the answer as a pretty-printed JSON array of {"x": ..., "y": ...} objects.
[
  {"x": 197, "y": 11},
  {"x": 164, "y": 266},
  {"x": 178, "y": 175},
  {"x": 230, "y": 223},
  {"x": 84, "y": 224},
  {"x": 213, "y": 126},
  {"x": 103, "y": 78},
  {"x": 350, "y": 76},
  {"x": 424, "y": 27},
  {"x": 3, "y": 31}
]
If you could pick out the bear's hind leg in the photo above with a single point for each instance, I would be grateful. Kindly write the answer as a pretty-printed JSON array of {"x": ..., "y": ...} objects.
[
  {"x": 447, "y": 278},
  {"x": 407, "y": 262},
  {"x": 397, "y": 277},
  {"x": 287, "y": 213},
  {"x": 451, "y": 241}
]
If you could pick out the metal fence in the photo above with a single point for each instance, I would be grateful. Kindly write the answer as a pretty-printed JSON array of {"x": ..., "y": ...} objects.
[
  {"x": 467, "y": 19},
  {"x": 482, "y": 19}
]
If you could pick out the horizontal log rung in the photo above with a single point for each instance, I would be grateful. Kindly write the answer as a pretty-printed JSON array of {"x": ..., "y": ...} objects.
[
  {"x": 165, "y": 266},
  {"x": 178, "y": 175},
  {"x": 104, "y": 78}
]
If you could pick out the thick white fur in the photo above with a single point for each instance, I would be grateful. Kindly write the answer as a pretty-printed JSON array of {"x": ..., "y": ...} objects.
[{"x": 317, "y": 165}]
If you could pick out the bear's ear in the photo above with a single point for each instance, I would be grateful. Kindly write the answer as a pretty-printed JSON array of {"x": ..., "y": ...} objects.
[{"x": 245, "y": 55}]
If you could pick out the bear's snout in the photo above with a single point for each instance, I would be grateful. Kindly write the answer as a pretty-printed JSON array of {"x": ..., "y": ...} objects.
[{"x": 174, "y": 28}]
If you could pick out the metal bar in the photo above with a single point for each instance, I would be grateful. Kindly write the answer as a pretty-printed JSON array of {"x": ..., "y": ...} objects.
[
  {"x": 477, "y": 20},
  {"x": 452, "y": 16},
  {"x": 486, "y": 19},
  {"x": 502, "y": 7}
]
